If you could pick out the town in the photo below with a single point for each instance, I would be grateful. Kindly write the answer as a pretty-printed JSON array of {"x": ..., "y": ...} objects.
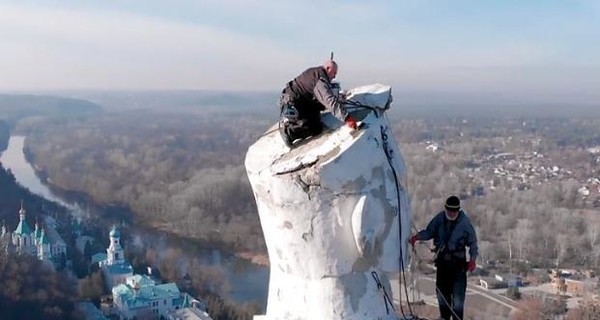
[{"x": 534, "y": 196}]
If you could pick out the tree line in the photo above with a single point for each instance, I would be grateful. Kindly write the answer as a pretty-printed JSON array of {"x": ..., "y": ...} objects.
[
  {"x": 32, "y": 290},
  {"x": 183, "y": 173},
  {"x": 178, "y": 173}
]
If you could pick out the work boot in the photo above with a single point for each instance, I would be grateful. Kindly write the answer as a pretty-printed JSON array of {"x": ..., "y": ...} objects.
[{"x": 286, "y": 138}]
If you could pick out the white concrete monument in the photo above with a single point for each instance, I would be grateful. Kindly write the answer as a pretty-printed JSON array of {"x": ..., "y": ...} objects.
[{"x": 335, "y": 214}]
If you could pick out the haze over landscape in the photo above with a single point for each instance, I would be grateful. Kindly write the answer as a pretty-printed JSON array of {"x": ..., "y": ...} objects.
[{"x": 534, "y": 51}]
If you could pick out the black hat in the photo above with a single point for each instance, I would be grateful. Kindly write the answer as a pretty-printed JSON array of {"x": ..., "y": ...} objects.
[{"x": 452, "y": 203}]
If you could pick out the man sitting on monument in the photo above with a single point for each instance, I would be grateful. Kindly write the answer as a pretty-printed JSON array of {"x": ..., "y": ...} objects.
[{"x": 303, "y": 99}]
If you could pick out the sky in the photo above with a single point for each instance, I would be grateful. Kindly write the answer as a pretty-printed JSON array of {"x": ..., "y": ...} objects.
[{"x": 521, "y": 48}]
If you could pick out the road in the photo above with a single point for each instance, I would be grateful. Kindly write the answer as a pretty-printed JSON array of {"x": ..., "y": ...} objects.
[{"x": 479, "y": 304}]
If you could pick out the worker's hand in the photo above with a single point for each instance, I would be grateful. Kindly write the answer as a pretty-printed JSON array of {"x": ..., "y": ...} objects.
[
  {"x": 471, "y": 265},
  {"x": 351, "y": 122},
  {"x": 413, "y": 239}
]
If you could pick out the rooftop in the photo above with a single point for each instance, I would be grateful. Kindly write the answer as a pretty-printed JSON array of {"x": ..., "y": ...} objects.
[
  {"x": 188, "y": 314},
  {"x": 23, "y": 228},
  {"x": 119, "y": 268},
  {"x": 114, "y": 233},
  {"x": 53, "y": 236},
  {"x": 139, "y": 291},
  {"x": 140, "y": 281},
  {"x": 98, "y": 257}
]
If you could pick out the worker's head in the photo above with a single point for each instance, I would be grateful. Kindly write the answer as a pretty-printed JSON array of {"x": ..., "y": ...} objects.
[
  {"x": 331, "y": 69},
  {"x": 452, "y": 207}
]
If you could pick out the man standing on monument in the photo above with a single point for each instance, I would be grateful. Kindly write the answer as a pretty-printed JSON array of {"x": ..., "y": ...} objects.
[
  {"x": 451, "y": 231},
  {"x": 303, "y": 99}
]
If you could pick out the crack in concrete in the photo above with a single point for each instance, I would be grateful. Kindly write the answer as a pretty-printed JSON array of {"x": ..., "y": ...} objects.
[
  {"x": 299, "y": 167},
  {"x": 306, "y": 236}
]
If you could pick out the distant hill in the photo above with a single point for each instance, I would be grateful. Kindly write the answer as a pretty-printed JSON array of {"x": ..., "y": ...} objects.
[
  {"x": 435, "y": 104},
  {"x": 14, "y": 107},
  {"x": 406, "y": 103},
  {"x": 186, "y": 101}
]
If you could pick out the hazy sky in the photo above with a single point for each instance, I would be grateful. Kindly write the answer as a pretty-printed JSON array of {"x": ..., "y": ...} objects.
[{"x": 522, "y": 47}]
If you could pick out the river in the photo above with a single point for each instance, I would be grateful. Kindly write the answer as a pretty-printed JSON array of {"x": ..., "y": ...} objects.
[
  {"x": 248, "y": 281},
  {"x": 14, "y": 159}
]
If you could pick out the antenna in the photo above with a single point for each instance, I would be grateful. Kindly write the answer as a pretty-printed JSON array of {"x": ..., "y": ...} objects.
[{"x": 331, "y": 58}]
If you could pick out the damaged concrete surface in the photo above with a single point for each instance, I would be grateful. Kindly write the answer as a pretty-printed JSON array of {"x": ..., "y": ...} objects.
[{"x": 328, "y": 209}]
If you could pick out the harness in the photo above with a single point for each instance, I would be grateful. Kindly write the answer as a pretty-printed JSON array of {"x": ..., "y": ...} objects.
[{"x": 445, "y": 256}]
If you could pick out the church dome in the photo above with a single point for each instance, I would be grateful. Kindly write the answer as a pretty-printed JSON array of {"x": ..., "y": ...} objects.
[{"x": 114, "y": 233}]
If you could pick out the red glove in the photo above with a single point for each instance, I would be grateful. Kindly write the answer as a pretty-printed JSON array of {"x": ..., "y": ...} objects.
[
  {"x": 351, "y": 122},
  {"x": 471, "y": 266},
  {"x": 413, "y": 239}
]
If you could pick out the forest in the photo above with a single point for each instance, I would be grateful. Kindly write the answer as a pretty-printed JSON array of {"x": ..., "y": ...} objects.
[
  {"x": 179, "y": 169},
  {"x": 4, "y": 134},
  {"x": 32, "y": 290},
  {"x": 182, "y": 172},
  {"x": 11, "y": 197}
]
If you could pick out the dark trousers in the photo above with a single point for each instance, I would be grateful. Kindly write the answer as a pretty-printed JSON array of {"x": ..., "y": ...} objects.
[
  {"x": 306, "y": 123},
  {"x": 451, "y": 281}
]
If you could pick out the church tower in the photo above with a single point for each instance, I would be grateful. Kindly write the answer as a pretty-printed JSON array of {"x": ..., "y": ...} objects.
[
  {"x": 22, "y": 236},
  {"x": 115, "y": 268},
  {"x": 43, "y": 247},
  {"x": 36, "y": 233},
  {"x": 114, "y": 253}
]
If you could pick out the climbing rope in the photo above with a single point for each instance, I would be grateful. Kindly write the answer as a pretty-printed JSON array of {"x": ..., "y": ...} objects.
[
  {"x": 439, "y": 292},
  {"x": 402, "y": 277},
  {"x": 389, "y": 156},
  {"x": 386, "y": 299}
]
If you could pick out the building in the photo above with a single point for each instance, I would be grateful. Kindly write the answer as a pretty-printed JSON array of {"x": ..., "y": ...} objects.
[
  {"x": 579, "y": 288},
  {"x": 489, "y": 283},
  {"x": 115, "y": 268},
  {"x": 44, "y": 243},
  {"x": 574, "y": 283},
  {"x": 89, "y": 311},
  {"x": 140, "y": 297},
  {"x": 57, "y": 244},
  {"x": 511, "y": 280},
  {"x": 188, "y": 314}
]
